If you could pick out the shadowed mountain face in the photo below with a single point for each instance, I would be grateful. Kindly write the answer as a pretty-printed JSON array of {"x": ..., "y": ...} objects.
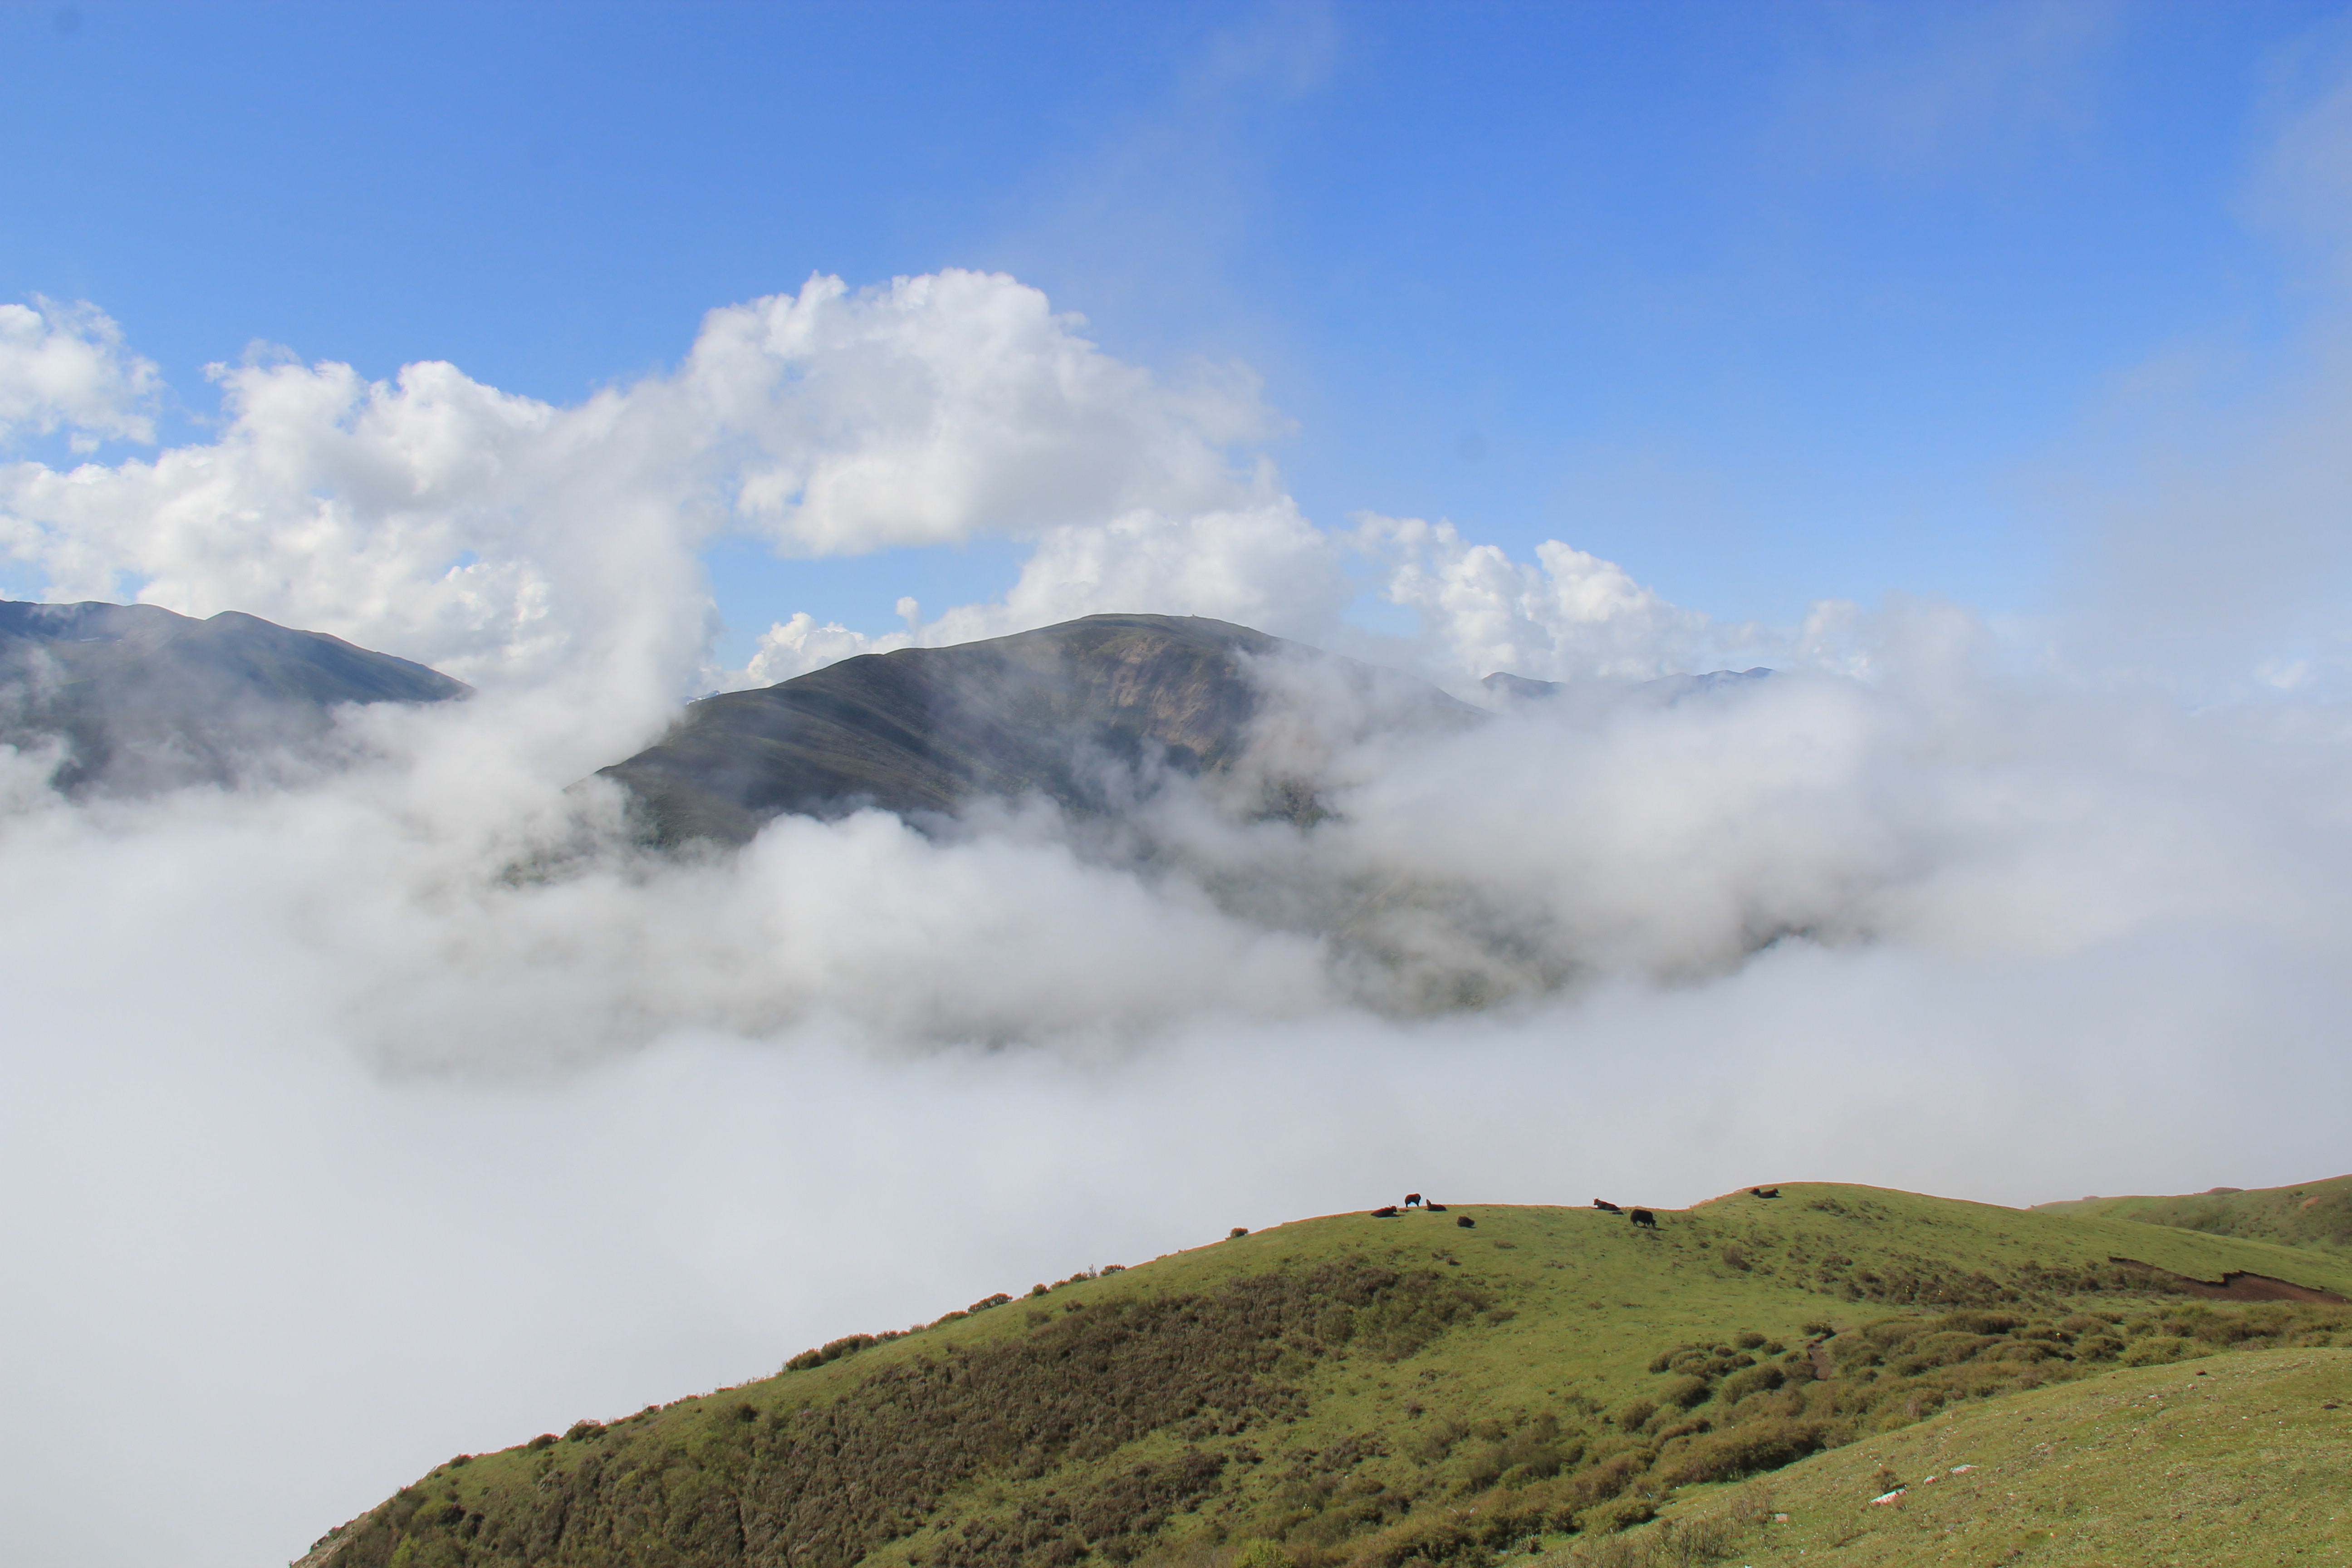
[
  {"x": 1070, "y": 712},
  {"x": 145, "y": 698}
]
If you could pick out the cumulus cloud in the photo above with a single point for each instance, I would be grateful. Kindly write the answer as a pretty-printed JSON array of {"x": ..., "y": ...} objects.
[
  {"x": 938, "y": 408},
  {"x": 414, "y": 1103},
  {"x": 506, "y": 541},
  {"x": 1567, "y": 615},
  {"x": 65, "y": 367}
]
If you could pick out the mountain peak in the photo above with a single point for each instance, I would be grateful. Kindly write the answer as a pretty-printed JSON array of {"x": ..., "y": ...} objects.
[{"x": 1078, "y": 714}]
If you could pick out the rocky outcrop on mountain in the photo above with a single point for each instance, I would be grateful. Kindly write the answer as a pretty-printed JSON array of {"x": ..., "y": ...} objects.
[
  {"x": 1082, "y": 714},
  {"x": 143, "y": 698}
]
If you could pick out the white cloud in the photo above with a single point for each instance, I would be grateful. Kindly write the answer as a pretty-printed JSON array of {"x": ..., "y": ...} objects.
[
  {"x": 1569, "y": 615},
  {"x": 64, "y": 367},
  {"x": 800, "y": 644},
  {"x": 938, "y": 408}
]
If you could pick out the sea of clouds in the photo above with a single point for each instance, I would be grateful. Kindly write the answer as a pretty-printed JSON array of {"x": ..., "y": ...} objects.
[{"x": 402, "y": 1107}]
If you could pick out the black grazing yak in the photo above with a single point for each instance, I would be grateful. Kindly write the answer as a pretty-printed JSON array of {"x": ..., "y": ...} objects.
[
  {"x": 1765, "y": 1192},
  {"x": 1644, "y": 1217},
  {"x": 1387, "y": 1211},
  {"x": 1412, "y": 1200},
  {"x": 1606, "y": 1206},
  {"x": 1434, "y": 1209},
  {"x": 1465, "y": 1221}
]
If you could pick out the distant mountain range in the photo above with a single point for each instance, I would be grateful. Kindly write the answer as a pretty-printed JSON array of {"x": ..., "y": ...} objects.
[
  {"x": 1091, "y": 715},
  {"x": 147, "y": 698},
  {"x": 1666, "y": 691},
  {"x": 1078, "y": 713}
]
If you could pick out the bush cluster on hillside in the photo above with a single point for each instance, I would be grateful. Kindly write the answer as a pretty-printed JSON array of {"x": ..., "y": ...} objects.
[
  {"x": 831, "y": 1481},
  {"x": 1722, "y": 1411}
]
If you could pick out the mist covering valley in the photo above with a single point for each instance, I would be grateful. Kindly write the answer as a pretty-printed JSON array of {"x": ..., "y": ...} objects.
[{"x": 410, "y": 1089}]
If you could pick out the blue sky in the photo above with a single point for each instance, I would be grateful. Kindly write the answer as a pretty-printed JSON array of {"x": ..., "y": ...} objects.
[{"x": 1767, "y": 303}]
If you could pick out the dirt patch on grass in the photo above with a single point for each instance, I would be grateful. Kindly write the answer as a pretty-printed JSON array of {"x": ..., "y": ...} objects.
[{"x": 2238, "y": 1286}]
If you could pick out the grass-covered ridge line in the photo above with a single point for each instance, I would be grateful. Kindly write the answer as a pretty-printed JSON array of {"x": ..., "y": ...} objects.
[
  {"x": 2310, "y": 1214},
  {"x": 1352, "y": 1390}
]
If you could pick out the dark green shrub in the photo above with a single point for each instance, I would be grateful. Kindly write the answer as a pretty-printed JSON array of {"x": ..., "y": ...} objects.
[
  {"x": 1744, "y": 1451},
  {"x": 1750, "y": 1380},
  {"x": 1607, "y": 1479},
  {"x": 834, "y": 1350},
  {"x": 1683, "y": 1392},
  {"x": 1636, "y": 1412},
  {"x": 580, "y": 1431},
  {"x": 986, "y": 1303},
  {"x": 1611, "y": 1517},
  {"x": 544, "y": 1440},
  {"x": 1748, "y": 1340},
  {"x": 1438, "y": 1442}
]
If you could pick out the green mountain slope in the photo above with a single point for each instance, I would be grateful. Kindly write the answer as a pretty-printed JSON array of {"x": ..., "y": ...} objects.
[
  {"x": 144, "y": 698},
  {"x": 2315, "y": 1214},
  {"x": 1362, "y": 1389},
  {"x": 1069, "y": 712},
  {"x": 2237, "y": 1458}
]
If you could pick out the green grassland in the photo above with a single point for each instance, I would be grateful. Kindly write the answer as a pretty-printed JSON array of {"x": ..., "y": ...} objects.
[
  {"x": 2231, "y": 1459},
  {"x": 1352, "y": 1390},
  {"x": 2315, "y": 1214}
]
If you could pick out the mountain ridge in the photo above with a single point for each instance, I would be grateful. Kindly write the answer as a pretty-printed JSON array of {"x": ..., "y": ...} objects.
[
  {"x": 146, "y": 698},
  {"x": 1082, "y": 713}
]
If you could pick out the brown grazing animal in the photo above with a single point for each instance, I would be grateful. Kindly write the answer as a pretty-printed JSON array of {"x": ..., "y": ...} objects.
[
  {"x": 1434, "y": 1209},
  {"x": 1387, "y": 1211},
  {"x": 1765, "y": 1192},
  {"x": 1604, "y": 1203},
  {"x": 1412, "y": 1200}
]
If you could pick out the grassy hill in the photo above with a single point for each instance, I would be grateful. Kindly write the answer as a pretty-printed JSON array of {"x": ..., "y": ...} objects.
[
  {"x": 1369, "y": 1391},
  {"x": 2238, "y": 1458},
  {"x": 2310, "y": 1214}
]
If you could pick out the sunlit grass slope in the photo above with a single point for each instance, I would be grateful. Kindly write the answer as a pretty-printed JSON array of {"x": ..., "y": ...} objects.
[
  {"x": 2309, "y": 1214},
  {"x": 2231, "y": 1459},
  {"x": 1360, "y": 1390}
]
